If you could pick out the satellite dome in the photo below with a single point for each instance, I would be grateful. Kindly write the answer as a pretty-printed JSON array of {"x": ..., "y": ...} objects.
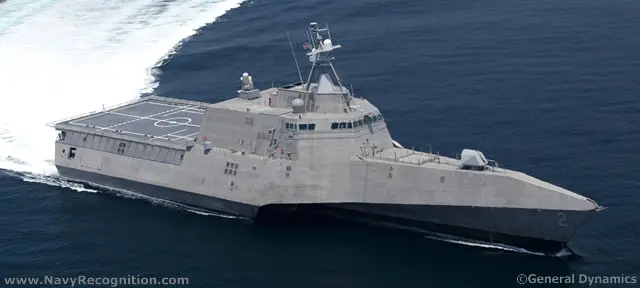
[
  {"x": 326, "y": 44},
  {"x": 297, "y": 102},
  {"x": 298, "y": 105}
]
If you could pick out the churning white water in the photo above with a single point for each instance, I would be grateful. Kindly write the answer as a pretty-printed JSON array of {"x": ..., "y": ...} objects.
[{"x": 67, "y": 57}]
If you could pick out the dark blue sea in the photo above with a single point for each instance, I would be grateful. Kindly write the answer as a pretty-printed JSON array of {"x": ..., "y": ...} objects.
[{"x": 550, "y": 88}]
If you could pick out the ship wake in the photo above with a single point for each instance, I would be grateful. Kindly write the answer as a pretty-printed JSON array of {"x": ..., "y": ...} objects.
[{"x": 63, "y": 58}]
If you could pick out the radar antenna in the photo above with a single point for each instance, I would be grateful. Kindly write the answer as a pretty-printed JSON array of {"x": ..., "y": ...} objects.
[{"x": 322, "y": 74}]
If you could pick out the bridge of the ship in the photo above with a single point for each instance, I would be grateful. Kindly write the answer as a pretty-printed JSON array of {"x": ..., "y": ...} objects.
[{"x": 155, "y": 118}]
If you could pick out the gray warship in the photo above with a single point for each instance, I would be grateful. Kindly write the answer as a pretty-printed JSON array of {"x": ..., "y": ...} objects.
[{"x": 311, "y": 144}]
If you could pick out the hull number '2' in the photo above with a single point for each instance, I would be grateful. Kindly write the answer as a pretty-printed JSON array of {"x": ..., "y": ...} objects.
[{"x": 561, "y": 219}]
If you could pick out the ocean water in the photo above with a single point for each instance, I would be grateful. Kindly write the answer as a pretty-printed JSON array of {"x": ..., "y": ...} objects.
[{"x": 546, "y": 87}]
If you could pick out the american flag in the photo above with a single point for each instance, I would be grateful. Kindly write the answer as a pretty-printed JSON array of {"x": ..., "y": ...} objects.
[{"x": 204, "y": 138}]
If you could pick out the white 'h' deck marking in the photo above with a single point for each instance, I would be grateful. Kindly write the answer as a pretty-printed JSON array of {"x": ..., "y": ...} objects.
[
  {"x": 149, "y": 117},
  {"x": 171, "y": 134},
  {"x": 153, "y": 119},
  {"x": 185, "y": 111},
  {"x": 190, "y": 135}
]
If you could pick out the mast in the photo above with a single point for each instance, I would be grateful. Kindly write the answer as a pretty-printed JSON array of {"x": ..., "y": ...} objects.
[{"x": 323, "y": 77}]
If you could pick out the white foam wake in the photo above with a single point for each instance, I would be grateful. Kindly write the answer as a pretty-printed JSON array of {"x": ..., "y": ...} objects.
[{"x": 68, "y": 57}]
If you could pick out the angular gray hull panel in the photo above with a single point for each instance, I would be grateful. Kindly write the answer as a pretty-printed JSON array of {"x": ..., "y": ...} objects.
[
  {"x": 164, "y": 193},
  {"x": 518, "y": 227}
]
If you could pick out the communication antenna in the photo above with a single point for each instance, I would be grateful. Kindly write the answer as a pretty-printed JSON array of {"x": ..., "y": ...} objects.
[
  {"x": 311, "y": 42},
  {"x": 294, "y": 58}
]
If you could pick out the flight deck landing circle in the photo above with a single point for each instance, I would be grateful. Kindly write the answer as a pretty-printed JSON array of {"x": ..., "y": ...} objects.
[{"x": 172, "y": 122}]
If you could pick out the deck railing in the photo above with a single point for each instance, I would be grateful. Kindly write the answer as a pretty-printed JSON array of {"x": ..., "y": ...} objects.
[{"x": 404, "y": 156}]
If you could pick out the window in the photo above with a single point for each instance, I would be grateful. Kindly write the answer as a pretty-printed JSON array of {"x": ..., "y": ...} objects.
[
  {"x": 343, "y": 125},
  {"x": 302, "y": 126},
  {"x": 334, "y": 125},
  {"x": 349, "y": 125},
  {"x": 360, "y": 123},
  {"x": 121, "y": 147},
  {"x": 380, "y": 117},
  {"x": 355, "y": 124},
  {"x": 286, "y": 125},
  {"x": 375, "y": 118},
  {"x": 312, "y": 126},
  {"x": 72, "y": 152}
]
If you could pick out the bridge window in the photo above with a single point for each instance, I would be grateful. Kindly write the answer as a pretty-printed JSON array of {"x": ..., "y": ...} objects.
[
  {"x": 290, "y": 126},
  {"x": 360, "y": 123},
  {"x": 355, "y": 124},
  {"x": 312, "y": 126},
  {"x": 343, "y": 125},
  {"x": 302, "y": 126},
  {"x": 334, "y": 125},
  {"x": 367, "y": 119},
  {"x": 349, "y": 125},
  {"x": 375, "y": 118}
]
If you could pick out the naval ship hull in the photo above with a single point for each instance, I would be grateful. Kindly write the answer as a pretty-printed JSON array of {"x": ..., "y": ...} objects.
[
  {"x": 452, "y": 221},
  {"x": 160, "y": 192},
  {"x": 128, "y": 158},
  {"x": 469, "y": 223},
  {"x": 466, "y": 224}
]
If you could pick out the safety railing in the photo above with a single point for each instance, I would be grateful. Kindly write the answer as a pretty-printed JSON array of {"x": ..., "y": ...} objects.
[{"x": 402, "y": 156}]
